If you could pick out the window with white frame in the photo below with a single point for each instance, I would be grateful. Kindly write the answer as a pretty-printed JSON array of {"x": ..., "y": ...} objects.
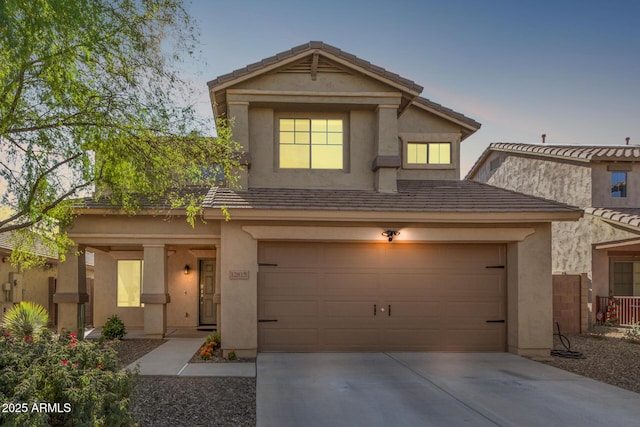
[
  {"x": 129, "y": 283},
  {"x": 311, "y": 143}
]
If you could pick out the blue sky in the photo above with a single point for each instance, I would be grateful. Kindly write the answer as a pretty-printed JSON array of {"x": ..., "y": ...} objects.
[{"x": 570, "y": 69}]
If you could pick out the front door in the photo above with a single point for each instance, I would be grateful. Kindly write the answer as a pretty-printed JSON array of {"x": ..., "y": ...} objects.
[{"x": 207, "y": 290}]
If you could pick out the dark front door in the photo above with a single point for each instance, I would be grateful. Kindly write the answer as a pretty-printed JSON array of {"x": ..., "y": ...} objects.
[{"x": 207, "y": 290}]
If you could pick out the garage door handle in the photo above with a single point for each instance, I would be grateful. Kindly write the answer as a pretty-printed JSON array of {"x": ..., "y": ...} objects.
[
  {"x": 389, "y": 313},
  {"x": 267, "y": 320},
  {"x": 495, "y": 321},
  {"x": 375, "y": 309}
]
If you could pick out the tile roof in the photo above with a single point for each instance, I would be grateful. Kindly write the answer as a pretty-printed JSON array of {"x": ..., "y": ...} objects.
[
  {"x": 162, "y": 203},
  {"x": 38, "y": 248},
  {"x": 624, "y": 216},
  {"x": 578, "y": 153},
  {"x": 315, "y": 45},
  {"x": 412, "y": 196},
  {"x": 447, "y": 112}
]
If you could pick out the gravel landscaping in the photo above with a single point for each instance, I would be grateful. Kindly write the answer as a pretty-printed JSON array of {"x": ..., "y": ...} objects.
[
  {"x": 608, "y": 358},
  {"x": 223, "y": 401}
]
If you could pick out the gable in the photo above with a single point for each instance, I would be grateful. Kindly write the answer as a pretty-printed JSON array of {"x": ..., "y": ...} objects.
[{"x": 305, "y": 65}]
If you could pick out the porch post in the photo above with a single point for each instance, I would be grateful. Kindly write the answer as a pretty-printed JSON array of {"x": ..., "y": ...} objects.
[
  {"x": 71, "y": 292},
  {"x": 216, "y": 296},
  {"x": 155, "y": 291}
]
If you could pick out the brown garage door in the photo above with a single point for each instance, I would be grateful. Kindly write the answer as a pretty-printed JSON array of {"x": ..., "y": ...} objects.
[{"x": 381, "y": 297}]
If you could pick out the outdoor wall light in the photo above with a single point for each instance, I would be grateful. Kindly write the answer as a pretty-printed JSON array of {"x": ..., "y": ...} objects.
[
  {"x": 187, "y": 269},
  {"x": 390, "y": 234}
]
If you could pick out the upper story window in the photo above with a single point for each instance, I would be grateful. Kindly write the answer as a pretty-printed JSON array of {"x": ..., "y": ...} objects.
[
  {"x": 428, "y": 153},
  {"x": 618, "y": 184},
  {"x": 311, "y": 143}
]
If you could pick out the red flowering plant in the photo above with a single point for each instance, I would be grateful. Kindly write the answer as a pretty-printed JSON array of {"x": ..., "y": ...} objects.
[{"x": 63, "y": 369}]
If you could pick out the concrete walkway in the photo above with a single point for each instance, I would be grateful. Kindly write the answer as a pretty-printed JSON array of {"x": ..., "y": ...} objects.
[{"x": 172, "y": 357}]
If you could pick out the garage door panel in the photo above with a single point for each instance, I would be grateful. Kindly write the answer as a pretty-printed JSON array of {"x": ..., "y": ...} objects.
[
  {"x": 440, "y": 296},
  {"x": 339, "y": 309},
  {"x": 486, "y": 310},
  {"x": 302, "y": 255},
  {"x": 351, "y": 256},
  {"x": 295, "y": 307},
  {"x": 289, "y": 282},
  {"x": 348, "y": 281},
  {"x": 350, "y": 337},
  {"x": 412, "y": 308},
  {"x": 290, "y": 337}
]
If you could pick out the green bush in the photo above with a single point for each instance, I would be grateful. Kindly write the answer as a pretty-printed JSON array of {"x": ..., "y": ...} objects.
[
  {"x": 25, "y": 319},
  {"x": 113, "y": 328},
  {"x": 62, "y": 381},
  {"x": 214, "y": 337}
]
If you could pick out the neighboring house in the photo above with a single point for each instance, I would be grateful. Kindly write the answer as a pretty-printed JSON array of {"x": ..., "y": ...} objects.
[
  {"x": 36, "y": 284},
  {"x": 604, "y": 181},
  {"x": 351, "y": 230}
]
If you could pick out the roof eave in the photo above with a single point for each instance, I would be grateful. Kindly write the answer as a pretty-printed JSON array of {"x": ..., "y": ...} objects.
[{"x": 468, "y": 217}]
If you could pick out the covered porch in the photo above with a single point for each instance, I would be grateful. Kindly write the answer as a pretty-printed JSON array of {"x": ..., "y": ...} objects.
[
  {"x": 616, "y": 290},
  {"x": 153, "y": 272}
]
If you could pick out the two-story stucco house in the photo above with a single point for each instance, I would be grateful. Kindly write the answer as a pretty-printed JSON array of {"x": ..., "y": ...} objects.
[
  {"x": 604, "y": 181},
  {"x": 351, "y": 230}
]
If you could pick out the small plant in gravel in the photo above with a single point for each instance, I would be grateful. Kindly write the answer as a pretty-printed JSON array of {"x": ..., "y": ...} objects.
[
  {"x": 113, "y": 329},
  {"x": 210, "y": 347},
  {"x": 232, "y": 355},
  {"x": 214, "y": 337},
  {"x": 60, "y": 380},
  {"x": 26, "y": 319},
  {"x": 632, "y": 333},
  {"x": 207, "y": 350}
]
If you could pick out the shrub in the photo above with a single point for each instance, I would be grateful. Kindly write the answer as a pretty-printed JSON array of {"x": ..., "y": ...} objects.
[
  {"x": 207, "y": 350},
  {"x": 70, "y": 382},
  {"x": 214, "y": 337},
  {"x": 25, "y": 319},
  {"x": 113, "y": 328},
  {"x": 232, "y": 355}
]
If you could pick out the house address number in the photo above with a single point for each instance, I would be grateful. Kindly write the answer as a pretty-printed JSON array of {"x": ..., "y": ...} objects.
[{"x": 239, "y": 274}]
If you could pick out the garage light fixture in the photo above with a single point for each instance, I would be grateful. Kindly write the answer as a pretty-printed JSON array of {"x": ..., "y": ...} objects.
[
  {"x": 390, "y": 234},
  {"x": 187, "y": 269}
]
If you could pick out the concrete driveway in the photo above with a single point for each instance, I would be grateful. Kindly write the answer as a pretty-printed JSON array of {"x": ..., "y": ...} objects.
[{"x": 432, "y": 389}]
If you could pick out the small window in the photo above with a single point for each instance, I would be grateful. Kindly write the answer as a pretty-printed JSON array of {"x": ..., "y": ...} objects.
[
  {"x": 618, "y": 184},
  {"x": 129, "y": 283},
  {"x": 428, "y": 153},
  {"x": 311, "y": 143}
]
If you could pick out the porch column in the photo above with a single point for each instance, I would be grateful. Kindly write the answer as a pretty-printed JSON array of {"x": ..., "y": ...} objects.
[
  {"x": 217, "y": 298},
  {"x": 155, "y": 291},
  {"x": 239, "y": 283},
  {"x": 71, "y": 291},
  {"x": 387, "y": 160}
]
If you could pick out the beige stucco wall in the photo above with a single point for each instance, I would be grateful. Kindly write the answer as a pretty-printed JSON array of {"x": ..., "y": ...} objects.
[
  {"x": 257, "y": 104},
  {"x": 530, "y": 294},
  {"x": 601, "y": 192},
  {"x": 239, "y": 297},
  {"x": 33, "y": 284}
]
